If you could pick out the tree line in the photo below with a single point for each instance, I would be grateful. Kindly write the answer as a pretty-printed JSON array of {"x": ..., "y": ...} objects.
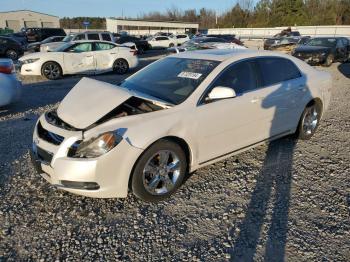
[{"x": 246, "y": 13}]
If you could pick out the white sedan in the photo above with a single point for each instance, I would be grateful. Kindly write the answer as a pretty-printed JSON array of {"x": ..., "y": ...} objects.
[
  {"x": 161, "y": 42},
  {"x": 83, "y": 57},
  {"x": 174, "y": 116}
]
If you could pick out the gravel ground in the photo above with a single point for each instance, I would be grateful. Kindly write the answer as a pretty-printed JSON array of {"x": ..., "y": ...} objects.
[{"x": 288, "y": 200}]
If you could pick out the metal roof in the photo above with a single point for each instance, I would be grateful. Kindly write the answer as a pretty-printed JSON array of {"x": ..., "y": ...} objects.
[{"x": 25, "y": 10}]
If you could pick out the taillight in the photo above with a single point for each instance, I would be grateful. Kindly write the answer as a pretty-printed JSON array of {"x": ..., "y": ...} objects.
[{"x": 7, "y": 67}]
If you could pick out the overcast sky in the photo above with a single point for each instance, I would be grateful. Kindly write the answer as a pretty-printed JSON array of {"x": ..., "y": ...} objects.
[{"x": 110, "y": 8}]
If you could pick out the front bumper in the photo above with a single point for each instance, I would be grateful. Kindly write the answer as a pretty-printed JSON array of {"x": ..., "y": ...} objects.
[
  {"x": 30, "y": 69},
  {"x": 311, "y": 59},
  {"x": 103, "y": 177}
]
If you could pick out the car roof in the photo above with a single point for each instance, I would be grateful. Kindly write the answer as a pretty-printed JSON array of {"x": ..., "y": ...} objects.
[
  {"x": 227, "y": 54},
  {"x": 92, "y": 41}
]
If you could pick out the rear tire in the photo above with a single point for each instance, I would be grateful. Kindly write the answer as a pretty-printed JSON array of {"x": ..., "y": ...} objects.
[
  {"x": 120, "y": 66},
  {"x": 51, "y": 70},
  {"x": 171, "y": 45},
  {"x": 309, "y": 121},
  {"x": 12, "y": 54},
  {"x": 159, "y": 171}
]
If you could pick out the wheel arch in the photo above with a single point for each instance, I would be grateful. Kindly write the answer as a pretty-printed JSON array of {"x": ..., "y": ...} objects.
[{"x": 178, "y": 140}]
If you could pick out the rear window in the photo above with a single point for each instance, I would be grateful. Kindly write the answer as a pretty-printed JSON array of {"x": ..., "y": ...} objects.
[
  {"x": 106, "y": 37},
  {"x": 93, "y": 37},
  {"x": 276, "y": 70}
]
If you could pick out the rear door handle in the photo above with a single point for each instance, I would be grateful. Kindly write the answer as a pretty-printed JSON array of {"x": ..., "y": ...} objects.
[
  {"x": 89, "y": 56},
  {"x": 255, "y": 100}
]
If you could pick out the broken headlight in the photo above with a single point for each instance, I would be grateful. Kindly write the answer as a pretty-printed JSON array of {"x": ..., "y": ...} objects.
[{"x": 96, "y": 146}]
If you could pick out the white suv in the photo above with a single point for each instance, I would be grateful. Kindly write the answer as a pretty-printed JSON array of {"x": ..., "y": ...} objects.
[
  {"x": 161, "y": 42},
  {"x": 89, "y": 35}
]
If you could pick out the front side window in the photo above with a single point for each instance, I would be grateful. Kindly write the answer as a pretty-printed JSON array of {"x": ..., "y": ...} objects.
[
  {"x": 170, "y": 79},
  {"x": 241, "y": 77},
  {"x": 93, "y": 37},
  {"x": 80, "y": 48},
  {"x": 275, "y": 70},
  {"x": 103, "y": 46},
  {"x": 80, "y": 37}
]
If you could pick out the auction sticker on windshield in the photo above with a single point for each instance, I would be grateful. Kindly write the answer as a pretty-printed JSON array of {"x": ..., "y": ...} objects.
[{"x": 191, "y": 75}]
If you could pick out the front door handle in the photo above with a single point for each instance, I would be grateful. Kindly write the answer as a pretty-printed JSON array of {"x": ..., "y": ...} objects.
[
  {"x": 255, "y": 100},
  {"x": 89, "y": 56}
]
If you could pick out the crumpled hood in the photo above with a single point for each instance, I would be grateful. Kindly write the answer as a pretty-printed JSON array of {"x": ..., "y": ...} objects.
[{"x": 89, "y": 101}]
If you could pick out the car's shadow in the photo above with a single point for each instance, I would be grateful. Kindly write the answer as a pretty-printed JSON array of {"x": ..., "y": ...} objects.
[{"x": 344, "y": 68}]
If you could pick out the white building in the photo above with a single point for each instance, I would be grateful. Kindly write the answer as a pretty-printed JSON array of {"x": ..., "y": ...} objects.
[
  {"x": 140, "y": 27},
  {"x": 16, "y": 20}
]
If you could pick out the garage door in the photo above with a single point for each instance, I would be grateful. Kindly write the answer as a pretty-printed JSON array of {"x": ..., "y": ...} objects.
[
  {"x": 47, "y": 24},
  {"x": 13, "y": 24},
  {"x": 29, "y": 24}
]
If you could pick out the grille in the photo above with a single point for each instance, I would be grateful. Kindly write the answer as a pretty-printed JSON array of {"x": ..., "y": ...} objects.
[
  {"x": 43, "y": 155},
  {"x": 49, "y": 136}
]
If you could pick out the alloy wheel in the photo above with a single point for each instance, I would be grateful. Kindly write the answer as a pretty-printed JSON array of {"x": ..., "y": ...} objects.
[
  {"x": 310, "y": 120},
  {"x": 52, "y": 71},
  {"x": 161, "y": 172},
  {"x": 12, "y": 54},
  {"x": 121, "y": 66}
]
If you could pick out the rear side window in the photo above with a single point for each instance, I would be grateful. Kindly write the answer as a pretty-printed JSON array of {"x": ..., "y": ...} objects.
[
  {"x": 103, "y": 46},
  {"x": 106, "y": 37},
  {"x": 181, "y": 36},
  {"x": 241, "y": 77},
  {"x": 93, "y": 37},
  {"x": 276, "y": 70}
]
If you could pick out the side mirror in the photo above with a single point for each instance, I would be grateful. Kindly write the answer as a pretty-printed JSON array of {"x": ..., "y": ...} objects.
[{"x": 221, "y": 92}]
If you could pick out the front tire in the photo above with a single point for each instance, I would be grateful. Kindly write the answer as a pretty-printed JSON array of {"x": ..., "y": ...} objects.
[
  {"x": 51, "y": 70},
  {"x": 12, "y": 54},
  {"x": 120, "y": 66},
  {"x": 329, "y": 60},
  {"x": 309, "y": 121},
  {"x": 159, "y": 171}
]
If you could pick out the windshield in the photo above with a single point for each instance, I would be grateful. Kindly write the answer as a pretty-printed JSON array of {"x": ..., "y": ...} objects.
[
  {"x": 328, "y": 42},
  {"x": 47, "y": 40},
  {"x": 68, "y": 38},
  {"x": 170, "y": 79}
]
